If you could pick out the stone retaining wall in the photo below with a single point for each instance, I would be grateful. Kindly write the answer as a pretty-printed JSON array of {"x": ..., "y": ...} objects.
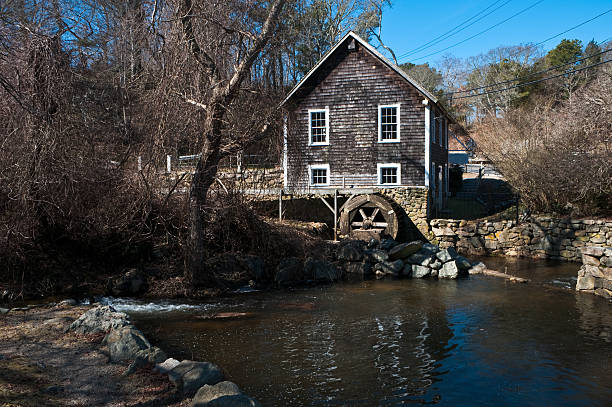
[
  {"x": 413, "y": 202},
  {"x": 595, "y": 275},
  {"x": 538, "y": 237}
]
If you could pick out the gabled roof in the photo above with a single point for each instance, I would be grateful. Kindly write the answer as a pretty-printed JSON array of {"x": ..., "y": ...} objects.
[{"x": 375, "y": 52}]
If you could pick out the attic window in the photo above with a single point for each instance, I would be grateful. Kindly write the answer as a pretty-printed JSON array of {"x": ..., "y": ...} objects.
[
  {"x": 351, "y": 45},
  {"x": 318, "y": 127},
  {"x": 388, "y": 124}
]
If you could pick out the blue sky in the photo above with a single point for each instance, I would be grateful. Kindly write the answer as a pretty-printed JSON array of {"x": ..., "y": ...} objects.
[{"x": 410, "y": 24}]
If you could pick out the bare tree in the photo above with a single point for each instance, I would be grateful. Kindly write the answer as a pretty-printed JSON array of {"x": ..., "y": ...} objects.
[{"x": 223, "y": 80}]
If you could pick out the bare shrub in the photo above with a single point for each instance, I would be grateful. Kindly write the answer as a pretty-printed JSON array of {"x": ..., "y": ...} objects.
[{"x": 557, "y": 155}]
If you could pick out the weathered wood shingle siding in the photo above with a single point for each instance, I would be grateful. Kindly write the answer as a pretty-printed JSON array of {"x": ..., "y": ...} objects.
[{"x": 352, "y": 85}]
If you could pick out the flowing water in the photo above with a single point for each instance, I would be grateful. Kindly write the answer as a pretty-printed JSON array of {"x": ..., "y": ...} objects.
[{"x": 477, "y": 341}]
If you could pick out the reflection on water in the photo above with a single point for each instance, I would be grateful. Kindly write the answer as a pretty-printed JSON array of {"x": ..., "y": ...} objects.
[{"x": 479, "y": 341}]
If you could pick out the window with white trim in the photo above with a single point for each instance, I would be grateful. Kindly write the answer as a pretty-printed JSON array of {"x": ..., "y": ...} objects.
[
  {"x": 389, "y": 174},
  {"x": 319, "y": 174},
  {"x": 318, "y": 127},
  {"x": 389, "y": 123}
]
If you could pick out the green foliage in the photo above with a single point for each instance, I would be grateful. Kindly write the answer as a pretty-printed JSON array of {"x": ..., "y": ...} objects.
[
  {"x": 565, "y": 52},
  {"x": 428, "y": 77}
]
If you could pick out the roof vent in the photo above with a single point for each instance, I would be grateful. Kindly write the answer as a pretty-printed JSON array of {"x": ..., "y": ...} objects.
[{"x": 351, "y": 44}]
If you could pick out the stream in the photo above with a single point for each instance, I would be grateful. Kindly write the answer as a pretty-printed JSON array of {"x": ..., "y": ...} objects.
[{"x": 475, "y": 341}]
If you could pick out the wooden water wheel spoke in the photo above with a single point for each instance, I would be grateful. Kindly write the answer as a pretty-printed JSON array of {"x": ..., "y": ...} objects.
[
  {"x": 380, "y": 224},
  {"x": 357, "y": 224},
  {"x": 376, "y": 210},
  {"x": 363, "y": 215}
]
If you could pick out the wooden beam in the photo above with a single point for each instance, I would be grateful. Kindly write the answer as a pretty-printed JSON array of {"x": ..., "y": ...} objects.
[
  {"x": 280, "y": 205},
  {"x": 335, "y": 215},
  {"x": 326, "y": 204}
]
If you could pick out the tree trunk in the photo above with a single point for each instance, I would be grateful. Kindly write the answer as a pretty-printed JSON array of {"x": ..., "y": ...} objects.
[{"x": 203, "y": 178}]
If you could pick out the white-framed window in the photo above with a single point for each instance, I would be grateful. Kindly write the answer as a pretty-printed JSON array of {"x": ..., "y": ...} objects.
[
  {"x": 389, "y": 123},
  {"x": 319, "y": 175},
  {"x": 318, "y": 127},
  {"x": 389, "y": 174},
  {"x": 433, "y": 125}
]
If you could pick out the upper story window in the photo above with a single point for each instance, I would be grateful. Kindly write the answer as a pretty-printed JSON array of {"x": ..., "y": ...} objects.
[
  {"x": 319, "y": 175},
  {"x": 318, "y": 127},
  {"x": 389, "y": 124},
  {"x": 389, "y": 174}
]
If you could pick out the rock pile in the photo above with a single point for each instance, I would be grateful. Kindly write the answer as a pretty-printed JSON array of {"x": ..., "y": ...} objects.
[
  {"x": 595, "y": 275},
  {"x": 389, "y": 258},
  {"x": 126, "y": 344}
]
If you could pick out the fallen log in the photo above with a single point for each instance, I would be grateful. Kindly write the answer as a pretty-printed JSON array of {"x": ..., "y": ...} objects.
[{"x": 495, "y": 273}]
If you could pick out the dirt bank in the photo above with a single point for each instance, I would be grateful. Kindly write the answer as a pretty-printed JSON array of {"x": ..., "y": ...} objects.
[{"x": 41, "y": 365}]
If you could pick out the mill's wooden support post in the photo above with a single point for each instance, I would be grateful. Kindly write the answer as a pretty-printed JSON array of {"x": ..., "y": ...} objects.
[
  {"x": 335, "y": 214},
  {"x": 280, "y": 205}
]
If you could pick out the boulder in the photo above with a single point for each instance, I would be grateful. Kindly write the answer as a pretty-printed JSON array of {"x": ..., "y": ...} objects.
[
  {"x": 166, "y": 365},
  {"x": 239, "y": 400},
  {"x": 403, "y": 250},
  {"x": 228, "y": 268},
  {"x": 321, "y": 270},
  {"x": 463, "y": 263},
  {"x": 436, "y": 264},
  {"x": 67, "y": 303},
  {"x": 125, "y": 343},
  {"x": 449, "y": 270},
  {"x": 290, "y": 271},
  {"x": 407, "y": 271},
  {"x": 254, "y": 265},
  {"x": 420, "y": 271},
  {"x": 188, "y": 376},
  {"x": 585, "y": 283},
  {"x": 132, "y": 283},
  {"x": 208, "y": 393},
  {"x": 431, "y": 248},
  {"x": 477, "y": 268},
  {"x": 150, "y": 356},
  {"x": 446, "y": 255},
  {"x": 387, "y": 244},
  {"x": 421, "y": 258},
  {"x": 377, "y": 256},
  {"x": 360, "y": 268},
  {"x": 350, "y": 252},
  {"x": 391, "y": 268},
  {"x": 373, "y": 244},
  {"x": 100, "y": 319}
]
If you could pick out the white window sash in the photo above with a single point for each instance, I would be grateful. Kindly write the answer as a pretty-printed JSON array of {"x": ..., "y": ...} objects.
[
  {"x": 397, "y": 166},
  {"x": 398, "y": 130},
  {"x": 319, "y": 167},
  {"x": 318, "y": 143}
]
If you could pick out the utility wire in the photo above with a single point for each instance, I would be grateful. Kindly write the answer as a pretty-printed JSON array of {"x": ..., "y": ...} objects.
[
  {"x": 529, "y": 46},
  {"x": 536, "y": 81},
  {"x": 529, "y": 75},
  {"x": 452, "y": 31},
  {"x": 483, "y": 31}
]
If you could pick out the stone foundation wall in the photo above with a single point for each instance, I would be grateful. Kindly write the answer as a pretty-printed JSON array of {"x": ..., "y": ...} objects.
[
  {"x": 595, "y": 275},
  {"x": 539, "y": 237},
  {"x": 254, "y": 178},
  {"x": 413, "y": 202}
]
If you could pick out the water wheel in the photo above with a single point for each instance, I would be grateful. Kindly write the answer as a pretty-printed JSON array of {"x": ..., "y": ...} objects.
[{"x": 366, "y": 216}]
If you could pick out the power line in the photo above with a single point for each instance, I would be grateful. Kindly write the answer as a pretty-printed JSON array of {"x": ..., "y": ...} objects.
[
  {"x": 481, "y": 32},
  {"x": 450, "y": 32},
  {"x": 536, "y": 81},
  {"x": 529, "y": 75},
  {"x": 529, "y": 46}
]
